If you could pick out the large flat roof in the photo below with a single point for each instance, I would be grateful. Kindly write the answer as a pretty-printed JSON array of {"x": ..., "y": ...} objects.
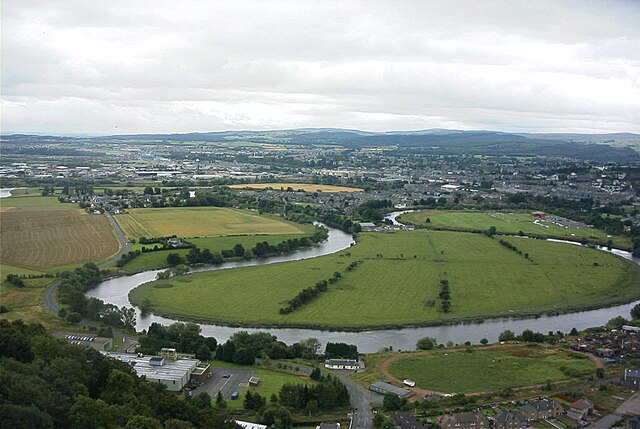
[{"x": 170, "y": 370}]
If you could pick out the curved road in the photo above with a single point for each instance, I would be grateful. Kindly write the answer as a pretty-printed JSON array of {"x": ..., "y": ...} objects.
[{"x": 49, "y": 297}]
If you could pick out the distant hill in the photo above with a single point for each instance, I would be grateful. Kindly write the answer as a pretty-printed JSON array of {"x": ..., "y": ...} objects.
[{"x": 618, "y": 147}]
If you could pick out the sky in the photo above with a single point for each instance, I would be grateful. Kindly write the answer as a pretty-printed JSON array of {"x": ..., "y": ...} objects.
[{"x": 116, "y": 67}]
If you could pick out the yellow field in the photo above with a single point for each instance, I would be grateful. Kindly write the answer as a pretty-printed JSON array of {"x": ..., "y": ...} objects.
[
  {"x": 200, "y": 222},
  {"x": 35, "y": 238},
  {"x": 307, "y": 187}
]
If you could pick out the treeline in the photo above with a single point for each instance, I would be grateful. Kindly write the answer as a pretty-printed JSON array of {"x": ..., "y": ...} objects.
[
  {"x": 46, "y": 383},
  {"x": 445, "y": 296},
  {"x": 260, "y": 250},
  {"x": 513, "y": 248},
  {"x": 530, "y": 336},
  {"x": 184, "y": 337},
  {"x": 73, "y": 285},
  {"x": 373, "y": 210},
  {"x": 327, "y": 394},
  {"x": 340, "y": 222},
  {"x": 308, "y": 294},
  {"x": 244, "y": 348}
]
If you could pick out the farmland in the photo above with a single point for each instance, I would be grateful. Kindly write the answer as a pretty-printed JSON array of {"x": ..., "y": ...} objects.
[
  {"x": 505, "y": 223},
  {"x": 40, "y": 233},
  {"x": 200, "y": 221},
  {"x": 307, "y": 187},
  {"x": 485, "y": 278},
  {"x": 489, "y": 370}
]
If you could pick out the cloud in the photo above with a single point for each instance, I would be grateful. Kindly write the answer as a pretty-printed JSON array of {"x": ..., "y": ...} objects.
[{"x": 149, "y": 66}]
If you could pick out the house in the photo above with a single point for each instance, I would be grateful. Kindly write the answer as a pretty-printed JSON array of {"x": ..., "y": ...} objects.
[
  {"x": 510, "y": 420},
  {"x": 631, "y": 378},
  {"x": 407, "y": 420},
  {"x": 341, "y": 364},
  {"x": 384, "y": 388},
  {"x": 540, "y": 410},
  {"x": 463, "y": 421},
  {"x": 580, "y": 409}
]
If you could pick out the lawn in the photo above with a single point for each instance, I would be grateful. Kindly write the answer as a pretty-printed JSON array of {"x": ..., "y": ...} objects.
[
  {"x": 505, "y": 223},
  {"x": 490, "y": 370},
  {"x": 307, "y": 187},
  {"x": 26, "y": 303},
  {"x": 40, "y": 233},
  {"x": 200, "y": 221},
  {"x": 397, "y": 283}
]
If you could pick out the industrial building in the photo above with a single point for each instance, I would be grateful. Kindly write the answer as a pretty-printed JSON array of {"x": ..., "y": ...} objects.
[
  {"x": 175, "y": 374},
  {"x": 384, "y": 388},
  {"x": 101, "y": 344}
]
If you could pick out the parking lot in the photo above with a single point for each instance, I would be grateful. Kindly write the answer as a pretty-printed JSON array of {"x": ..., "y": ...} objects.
[{"x": 227, "y": 385}]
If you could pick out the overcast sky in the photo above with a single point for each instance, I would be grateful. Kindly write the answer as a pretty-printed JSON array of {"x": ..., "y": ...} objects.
[{"x": 106, "y": 67}]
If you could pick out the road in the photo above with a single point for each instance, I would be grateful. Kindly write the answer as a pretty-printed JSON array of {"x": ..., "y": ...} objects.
[
  {"x": 49, "y": 297},
  {"x": 630, "y": 407}
]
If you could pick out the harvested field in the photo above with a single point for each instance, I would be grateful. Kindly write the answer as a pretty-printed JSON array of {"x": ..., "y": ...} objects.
[
  {"x": 200, "y": 222},
  {"x": 307, "y": 187},
  {"x": 42, "y": 239}
]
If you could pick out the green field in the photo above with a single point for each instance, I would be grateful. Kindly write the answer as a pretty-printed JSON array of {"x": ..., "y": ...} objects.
[
  {"x": 398, "y": 283},
  {"x": 505, "y": 223},
  {"x": 490, "y": 370},
  {"x": 200, "y": 221},
  {"x": 20, "y": 204},
  {"x": 156, "y": 260}
]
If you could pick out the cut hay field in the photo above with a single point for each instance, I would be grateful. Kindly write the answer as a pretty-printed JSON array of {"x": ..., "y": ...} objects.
[
  {"x": 490, "y": 370},
  {"x": 307, "y": 187},
  {"x": 397, "y": 283},
  {"x": 201, "y": 221},
  {"x": 505, "y": 223},
  {"x": 40, "y": 233}
]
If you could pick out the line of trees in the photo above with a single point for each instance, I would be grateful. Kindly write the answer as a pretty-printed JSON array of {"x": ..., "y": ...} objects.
[
  {"x": 445, "y": 296},
  {"x": 73, "y": 285},
  {"x": 308, "y": 294},
  {"x": 513, "y": 248}
]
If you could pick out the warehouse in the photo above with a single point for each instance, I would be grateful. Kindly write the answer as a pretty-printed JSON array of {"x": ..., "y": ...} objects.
[
  {"x": 173, "y": 374},
  {"x": 384, "y": 388}
]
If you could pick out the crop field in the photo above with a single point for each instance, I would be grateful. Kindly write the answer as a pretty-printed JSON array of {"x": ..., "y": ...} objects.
[
  {"x": 506, "y": 223},
  {"x": 398, "y": 283},
  {"x": 490, "y": 370},
  {"x": 23, "y": 204},
  {"x": 200, "y": 221},
  {"x": 307, "y": 187},
  {"x": 44, "y": 238}
]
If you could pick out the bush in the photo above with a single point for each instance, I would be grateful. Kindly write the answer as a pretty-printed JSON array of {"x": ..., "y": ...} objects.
[{"x": 426, "y": 343}]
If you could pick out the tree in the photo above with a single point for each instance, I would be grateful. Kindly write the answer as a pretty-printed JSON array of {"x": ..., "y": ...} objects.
[
  {"x": 426, "y": 343},
  {"x": 392, "y": 402},
  {"x": 635, "y": 312},
  {"x": 277, "y": 417},
  {"x": 600, "y": 372},
  {"x": 203, "y": 353},
  {"x": 174, "y": 259},
  {"x": 220, "y": 402},
  {"x": 491, "y": 231},
  {"x": 312, "y": 408},
  {"x": 507, "y": 335},
  {"x": 238, "y": 250},
  {"x": 484, "y": 341}
]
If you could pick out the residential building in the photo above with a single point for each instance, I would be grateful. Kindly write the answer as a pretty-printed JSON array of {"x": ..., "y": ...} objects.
[
  {"x": 631, "y": 378},
  {"x": 510, "y": 420},
  {"x": 541, "y": 410},
  {"x": 580, "y": 409},
  {"x": 463, "y": 421},
  {"x": 407, "y": 420}
]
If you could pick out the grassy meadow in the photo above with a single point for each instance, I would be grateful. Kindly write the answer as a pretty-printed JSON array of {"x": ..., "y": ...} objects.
[
  {"x": 505, "y": 223},
  {"x": 490, "y": 370},
  {"x": 200, "y": 221},
  {"x": 307, "y": 187},
  {"x": 157, "y": 260},
  {"x": 397, "y": 283},
  {"x": 41, "y": 233}
]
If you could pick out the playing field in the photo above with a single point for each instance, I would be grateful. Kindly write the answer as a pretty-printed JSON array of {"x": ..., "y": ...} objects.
[
  {"x": 307, "y": 187},
  {"x": 200, "y": 221},
  {"x": 490, "y": 370},
  {"x": 38, "y": 239},
  {"x": 398, "y": 283},
  {"x": 505, "y": 223}
]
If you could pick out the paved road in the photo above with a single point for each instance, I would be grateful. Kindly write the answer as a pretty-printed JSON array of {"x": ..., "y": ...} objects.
[
  {"x": 49, "y": 297},
  {"x": 630, "y": 407}
]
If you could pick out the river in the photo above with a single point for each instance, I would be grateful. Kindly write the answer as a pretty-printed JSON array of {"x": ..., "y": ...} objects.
[
  {"x": 6, "y": 192},
  {"x": 115, "y": 291}
]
